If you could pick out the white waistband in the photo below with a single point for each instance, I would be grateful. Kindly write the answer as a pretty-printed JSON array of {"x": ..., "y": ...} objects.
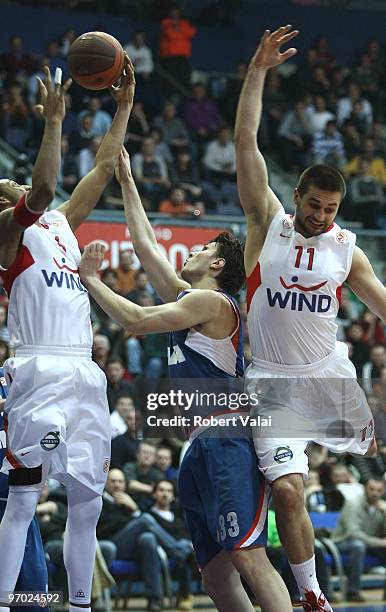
[
  {"x": 28, "y": 350},
  {"x": 306, "y": 368}
]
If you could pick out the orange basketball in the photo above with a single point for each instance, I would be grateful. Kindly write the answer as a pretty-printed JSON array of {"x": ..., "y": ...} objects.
[{"x": 96, "y": 60}]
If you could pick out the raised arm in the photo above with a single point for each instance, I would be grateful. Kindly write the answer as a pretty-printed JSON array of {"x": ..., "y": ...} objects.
[
  {"x": 366, "y": 285},
  {"x": 14, "y": 220},
  {"x": 159, "y": 271},
  {"x": 86, "y": 195},
  {"x": 257, "y": 199},
  {"x": 198, "y": 307}
]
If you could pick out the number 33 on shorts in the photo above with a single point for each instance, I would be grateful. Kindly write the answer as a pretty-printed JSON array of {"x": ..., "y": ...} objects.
[{"x": 228, "y": 525}]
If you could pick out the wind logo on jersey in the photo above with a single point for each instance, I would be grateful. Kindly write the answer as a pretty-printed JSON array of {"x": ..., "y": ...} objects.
[
  {"x": 64, "y": 280},
  {"x": 283, "y": 454},
  {"x": 50, "y": 441}
]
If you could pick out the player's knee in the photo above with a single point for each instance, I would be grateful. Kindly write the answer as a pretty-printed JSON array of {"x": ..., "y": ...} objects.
[
  {"x": 21, "y": 506},
  {"x": 249, "y": 561},
  {"x": 210, "y": 583},
  {"x": 288, "y": 493}
]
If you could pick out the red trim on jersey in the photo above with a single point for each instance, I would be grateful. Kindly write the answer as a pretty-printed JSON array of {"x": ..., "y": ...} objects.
[
  {"x": 329, "y": 228},
  {"x": 253, "y": 283},
  {"x": 13, "y": 461},
  {"x": 256, "y": 520},
  {"x": 23, "y": 261},
  {"x": 339, "y": 294},
  {"x": 44, "y": 225}
]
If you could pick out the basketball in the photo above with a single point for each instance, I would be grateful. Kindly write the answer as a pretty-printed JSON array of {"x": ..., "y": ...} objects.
[{"x": 96, "y": 60}]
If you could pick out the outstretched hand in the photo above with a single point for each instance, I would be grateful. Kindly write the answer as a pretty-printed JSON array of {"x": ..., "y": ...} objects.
[
  {"x": 268, "y": 53},
  {"x": 122, "y": 167},
  {"x": 124, "y": 92},
  {"x": 91, "y": 261},
  {"x": 52, "y": 96}
]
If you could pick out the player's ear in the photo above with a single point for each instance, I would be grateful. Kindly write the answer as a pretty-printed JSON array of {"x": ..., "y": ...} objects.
[
  {"x": 4, "y": 203},
  {"x": 218, "y": 264},
  {"x": 296, "y": 196}
]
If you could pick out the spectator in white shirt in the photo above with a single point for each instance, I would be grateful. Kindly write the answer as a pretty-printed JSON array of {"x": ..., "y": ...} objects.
[
  {"x": 86, "y": 157},
  {"x": 319, "y": 115},
  {"x": 101, "y": 120},
  {"x": 124, "y": 406},
  {"x": 220, "y": 157},
  {"x": 346, "y": 104},
  {"x": 141, "y": 56}
]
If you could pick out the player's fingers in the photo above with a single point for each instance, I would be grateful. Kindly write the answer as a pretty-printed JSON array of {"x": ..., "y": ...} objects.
[
  {"x": 287, "y": 37},
  {"x": 280, "y": 31},
  {"x": 58, "y": 79},
  {"x": 67, "y": 86},
  {"x": 289, "y": 53},
  {"x": 42, "y": 87},
  {"x": 47, "y": 77},
  {"x": 265, "y": 36}
]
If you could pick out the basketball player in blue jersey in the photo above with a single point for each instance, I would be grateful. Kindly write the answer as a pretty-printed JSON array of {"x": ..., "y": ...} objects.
[
  {"x": 33, "y": 572},
  {"x": 224, "y": 498},
  {"x": 295, "y": 268}
]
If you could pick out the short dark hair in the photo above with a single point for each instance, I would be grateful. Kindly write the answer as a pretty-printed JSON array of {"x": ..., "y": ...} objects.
[
  {"x": 321, "y": 176},
  {"x": 158, "y": 482},
  {"x": 232, "y": 276}
]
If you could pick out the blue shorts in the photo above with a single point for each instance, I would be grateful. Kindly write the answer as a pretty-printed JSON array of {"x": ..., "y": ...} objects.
[
  {"x": 223, "y": 494},
  {"x": 33, "y": 572}
]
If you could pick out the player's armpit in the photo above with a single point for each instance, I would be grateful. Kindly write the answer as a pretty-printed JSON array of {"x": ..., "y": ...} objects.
[{"x": 366, "y": 285}]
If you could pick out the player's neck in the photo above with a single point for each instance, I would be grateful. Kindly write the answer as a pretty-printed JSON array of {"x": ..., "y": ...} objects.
[{"x": 204, "y": 283}]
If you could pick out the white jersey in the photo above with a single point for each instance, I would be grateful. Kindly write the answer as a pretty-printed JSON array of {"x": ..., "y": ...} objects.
[
  {"x": 48, "y": 304},
  {"x": 294, "y": 292}
]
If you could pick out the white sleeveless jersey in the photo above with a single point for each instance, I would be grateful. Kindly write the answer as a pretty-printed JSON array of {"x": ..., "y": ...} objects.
[
  {"x": 48, "y": 304},
  {"x": 294, "y": 292}
]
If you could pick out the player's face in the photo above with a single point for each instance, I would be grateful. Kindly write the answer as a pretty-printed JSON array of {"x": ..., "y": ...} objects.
[
  {"x": 11, "y": 192},
  {"x": 315, "y": 210},
  {"x": 198, "y": 262}
]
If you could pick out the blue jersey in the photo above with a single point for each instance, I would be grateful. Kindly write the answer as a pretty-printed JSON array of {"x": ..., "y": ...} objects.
[
  {"x": 218, "y": 364},
  {"x": 3, "y": 445}
]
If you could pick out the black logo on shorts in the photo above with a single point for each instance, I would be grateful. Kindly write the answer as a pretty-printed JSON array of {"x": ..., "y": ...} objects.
[
  {"x": 283, "y": 454},
  {"x": 80, "y": 593},
  {"x": 50, "y": 441}
]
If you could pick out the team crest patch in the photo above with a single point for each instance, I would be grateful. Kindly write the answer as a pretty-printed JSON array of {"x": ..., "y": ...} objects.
[
  {"x": 50, "y": 441},
  {"x": 283, "y": 454},
  {"x": 341, "y": 237},
  {"x": 287, "y": 224},
  {"x": 106, "y": 466}
]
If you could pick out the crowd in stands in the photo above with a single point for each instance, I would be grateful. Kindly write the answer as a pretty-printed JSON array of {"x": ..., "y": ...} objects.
[
  {"x": 183, "y": 160},
  {"x": 180, "y": 131}
]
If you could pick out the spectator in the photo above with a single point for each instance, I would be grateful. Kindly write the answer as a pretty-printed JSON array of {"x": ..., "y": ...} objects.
[
  {"x": 315, "y": 496},
  {"x": 366, "y": 198},
  {"x": 378, "y": 135},
  {"x": 137, "y": 129},
  {"x": 220, "y": 157},
  {"x": 32, "y": 83},
  {"x": 184, "y": 172},
  {"x": 319, "y": 84},
  {"x": 82, "y": 135},
  {"x": 201, "y": 114},
  {"x": 65, "y": 41},
  {"x": 101, "y": 121},
  {"x": 295, "y": 137},
  {"x": 173, "y": 129},
  {"x": 163, "y": 461},
  {"x": 376, "y": 165},
  {"x": 366, "y": 77},
  {"x": 176, "y": 47},
  {"x": 125, "y": 272},
  {"x": 275, "y": 105},
  {"x": 141, "y": 56},
  {"x": 16, "y": 63},
  {"x": 342, "y": 480},
  {"x": 86, "y": 156},
  {"x": 351, "y": 139},
  {"x": 4, "y": 352},
  {"x": 319, "y": 115},
  {"x": 101, "y": 350},
  {"x": 178, "y": 206},
  {"x": 55, "y": 58},
  {"x": 345, "y": 105},
  {"x": 141, "y": 286},
  {"x": 328, "y": 147},
  {"x": 324, "y": 55},
  {"x": 116, "y": 382},
  {"x": 4, "y": 333},
  {"x": 169, "y": 516},
  {"x": 372, "y": 369},
  {"x": 70, "y": 121},
  {"x": 142, "y": 474},
  {"x": 354, "y": 334},
  {"x": 161, "y": 148},
  {"x": 151, "y": 174},
  {"x": 68, "y": 174},
  {"x": 124, "y": 447},
  {"x": 362, "y": 530},
  {"x": 16, "y": 117},
  {"x": 121, "y": 523},
  {"x": 374, "y": 467},
  {"x": 124, "y": 406}
]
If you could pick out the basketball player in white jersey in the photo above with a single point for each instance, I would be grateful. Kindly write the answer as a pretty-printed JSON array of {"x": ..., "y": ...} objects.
[
  {"x": 295, "y": 267},
  {"x": 56, "y": 413},
  {"x": 223, "y": 496}
]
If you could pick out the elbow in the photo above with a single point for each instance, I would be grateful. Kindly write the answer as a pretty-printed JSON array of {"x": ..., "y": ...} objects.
[
  {"x": 105, "y": 168},
  {"x": 244, "y": 136},
  {"x": 43, "y": 194}
]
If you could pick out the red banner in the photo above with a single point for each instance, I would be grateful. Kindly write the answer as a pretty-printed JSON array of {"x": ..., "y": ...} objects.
[{"x": 175, "y": 241}]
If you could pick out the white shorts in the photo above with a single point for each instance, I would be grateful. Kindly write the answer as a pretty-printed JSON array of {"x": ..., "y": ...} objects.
[
  {"x": 57, "y": 416},
  {"x": 320, "y": 402}
]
